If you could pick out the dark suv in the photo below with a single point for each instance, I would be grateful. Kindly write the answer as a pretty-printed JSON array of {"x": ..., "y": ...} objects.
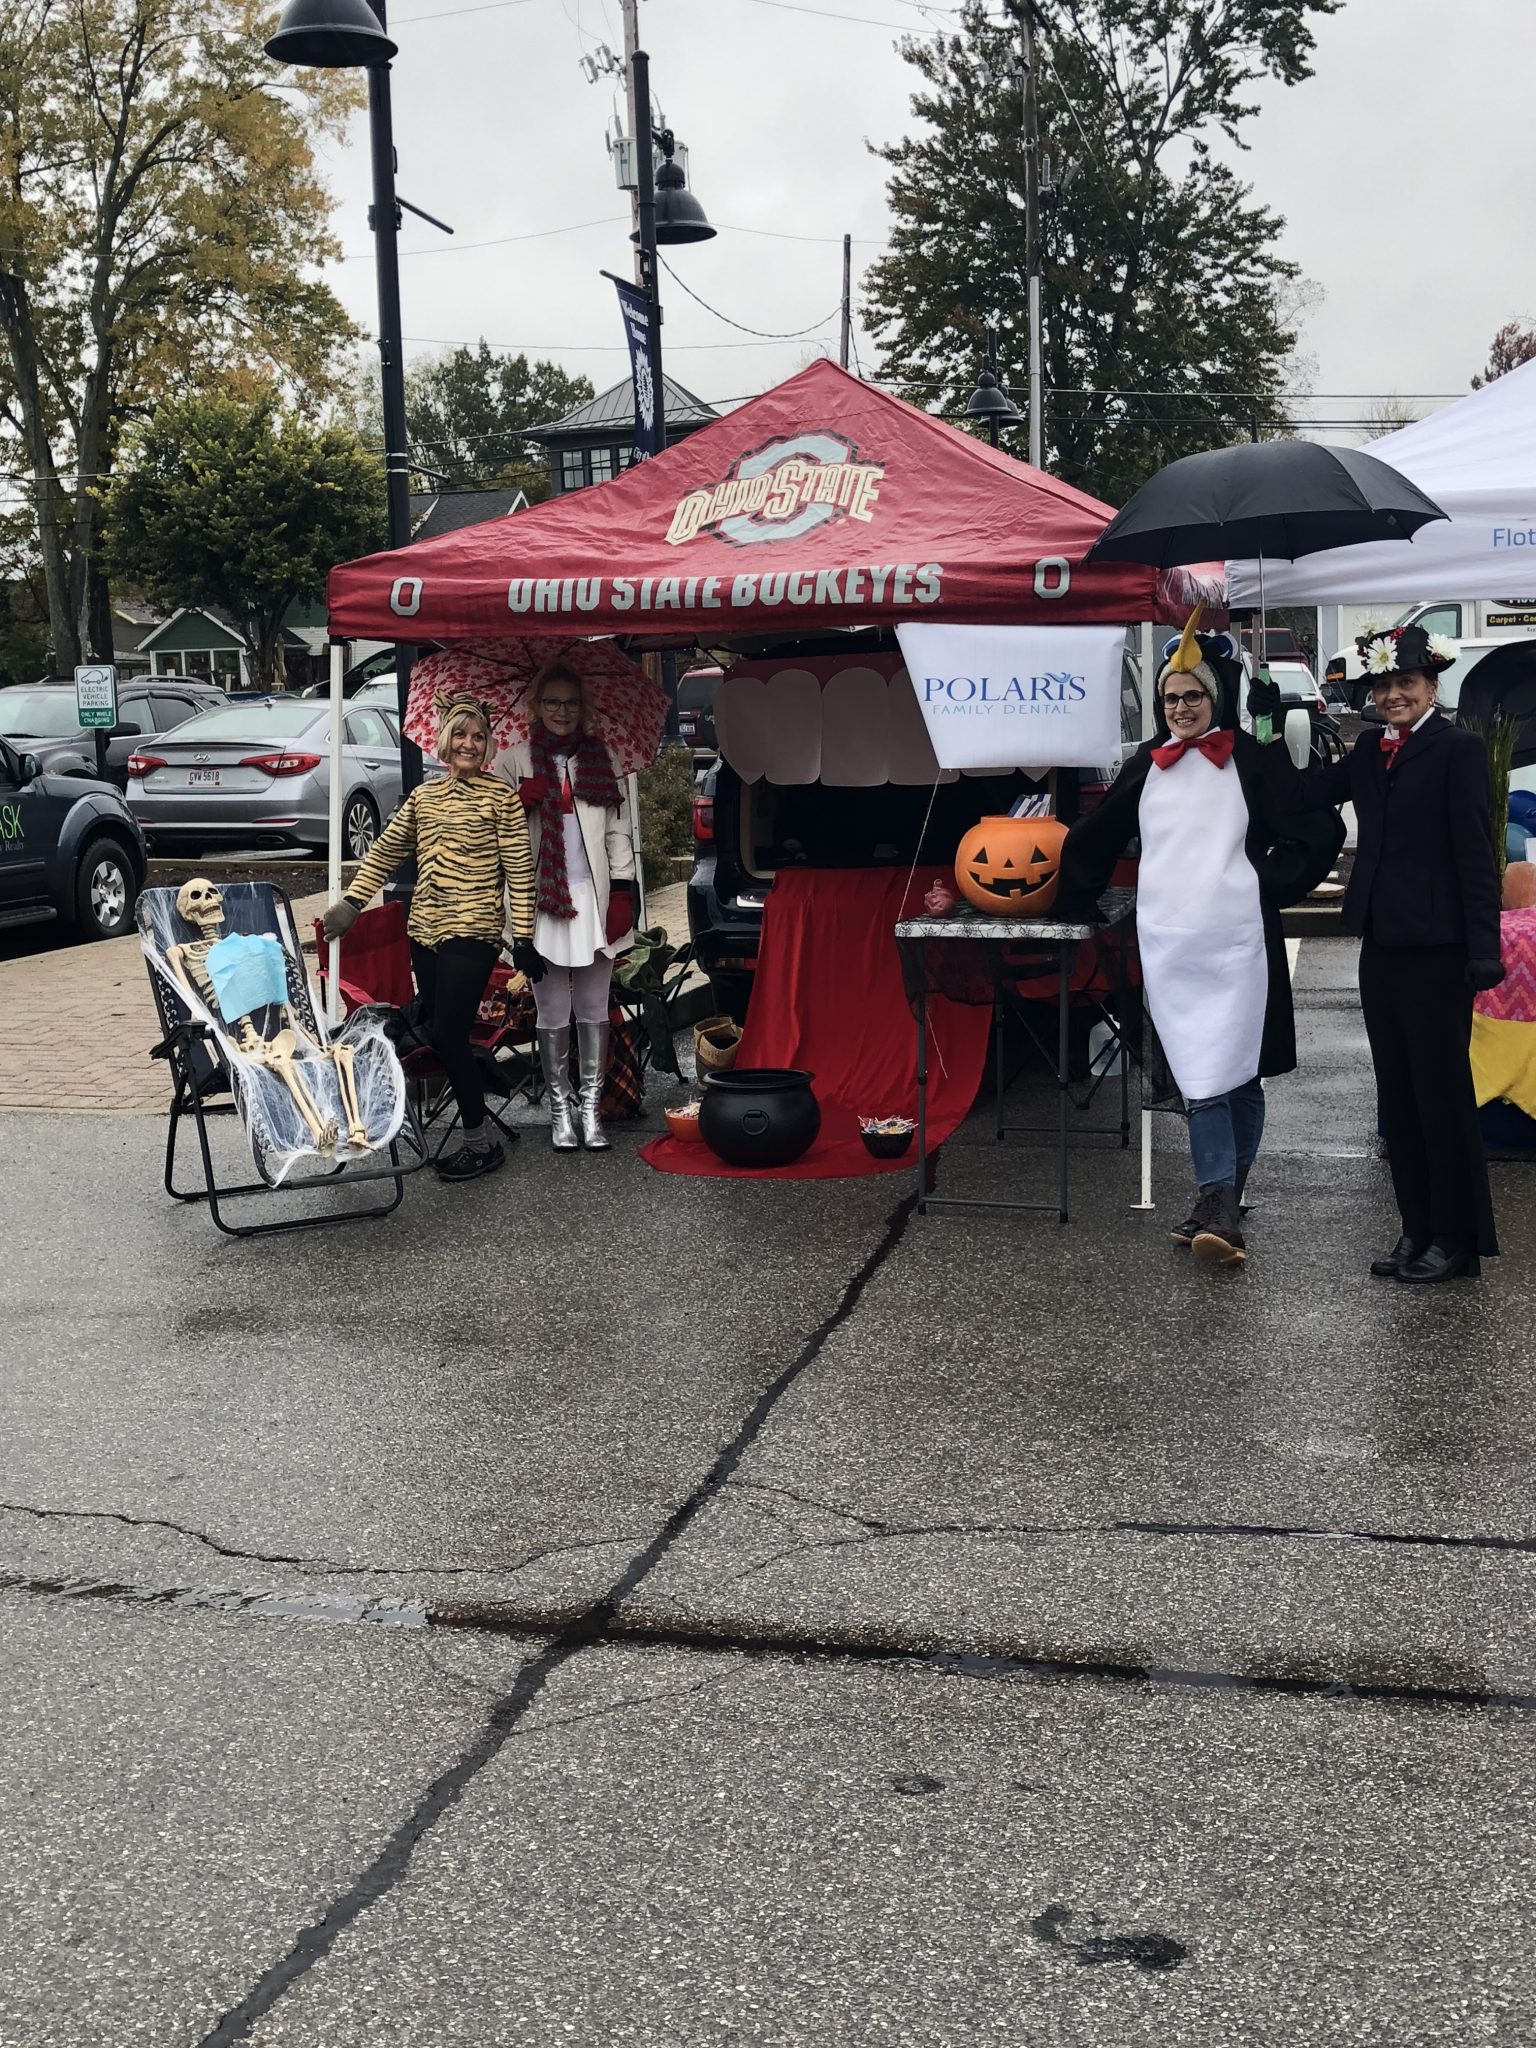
[
  {"x": 41, "y": 719},
  {"x": 68, "y": 849},
  {"x": 745, "y": 832}
]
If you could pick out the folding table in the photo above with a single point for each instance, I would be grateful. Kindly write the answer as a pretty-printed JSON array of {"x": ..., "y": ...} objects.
[{"x": 993, "y": 937}]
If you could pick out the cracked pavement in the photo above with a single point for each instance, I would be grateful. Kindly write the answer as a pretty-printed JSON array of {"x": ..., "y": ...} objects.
[{"x": 601, "y": 1607}]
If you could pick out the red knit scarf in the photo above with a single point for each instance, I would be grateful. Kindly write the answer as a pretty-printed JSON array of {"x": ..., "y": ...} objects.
[{"x": 585, "y": 775}]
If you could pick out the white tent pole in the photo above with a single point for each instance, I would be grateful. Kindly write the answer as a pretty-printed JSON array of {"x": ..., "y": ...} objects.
[
  {"x": 1148, "y": 726},
  {"x": 333, "y": 834}
]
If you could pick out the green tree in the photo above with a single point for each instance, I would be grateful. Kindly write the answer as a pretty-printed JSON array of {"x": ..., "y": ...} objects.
[
  {"x": 467, "y": 413},
  {"x": 159, "y": 208},
  {"x": 1165, "y": 305},
  {"x": 225, "y": 501}
]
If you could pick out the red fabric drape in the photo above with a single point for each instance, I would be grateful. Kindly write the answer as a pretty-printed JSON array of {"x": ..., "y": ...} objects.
[{"x": 829, "y": 998}]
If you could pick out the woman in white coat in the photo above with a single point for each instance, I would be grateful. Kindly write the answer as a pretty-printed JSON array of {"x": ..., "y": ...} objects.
[{"x": 584, "y": 860}]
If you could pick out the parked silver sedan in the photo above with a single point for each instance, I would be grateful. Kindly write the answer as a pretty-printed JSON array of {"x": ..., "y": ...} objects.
[{"x": 257, "y": 773}]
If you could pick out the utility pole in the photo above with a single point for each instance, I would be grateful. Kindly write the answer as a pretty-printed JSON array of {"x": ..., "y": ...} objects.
[
  {"x": 847, "y": 333},
  {"x": 631, "y": 44},
  {"x": 1032, "y": 247}
]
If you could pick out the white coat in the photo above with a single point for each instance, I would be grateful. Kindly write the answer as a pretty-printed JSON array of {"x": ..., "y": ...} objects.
[{"x": 605, "y": 836}]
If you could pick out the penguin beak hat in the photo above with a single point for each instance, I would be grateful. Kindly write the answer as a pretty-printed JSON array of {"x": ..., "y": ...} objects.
[{"x": 1208, "y": 659}]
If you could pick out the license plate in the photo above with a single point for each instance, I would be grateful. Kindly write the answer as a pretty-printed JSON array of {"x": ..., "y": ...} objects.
[{"x": 203, "y": 778}]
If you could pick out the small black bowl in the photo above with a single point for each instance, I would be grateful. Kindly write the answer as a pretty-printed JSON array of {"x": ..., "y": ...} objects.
[{"x": 887, "y": 1144}]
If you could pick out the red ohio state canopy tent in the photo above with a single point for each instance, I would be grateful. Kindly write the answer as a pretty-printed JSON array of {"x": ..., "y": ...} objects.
[{"x": 825, "y": 502}]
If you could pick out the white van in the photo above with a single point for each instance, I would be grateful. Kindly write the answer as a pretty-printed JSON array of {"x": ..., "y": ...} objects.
[{"x": 1477, "y": 619}]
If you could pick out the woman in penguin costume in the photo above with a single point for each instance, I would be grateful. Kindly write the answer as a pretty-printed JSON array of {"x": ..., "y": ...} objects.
[{"x": 1222, "y": 852}]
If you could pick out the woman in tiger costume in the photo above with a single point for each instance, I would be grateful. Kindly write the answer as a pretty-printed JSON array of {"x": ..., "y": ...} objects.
[{"x": 474, "y": 883}]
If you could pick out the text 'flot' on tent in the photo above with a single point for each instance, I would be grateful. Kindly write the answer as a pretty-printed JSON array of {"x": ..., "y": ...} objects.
[{"x": 824, "y": 502}]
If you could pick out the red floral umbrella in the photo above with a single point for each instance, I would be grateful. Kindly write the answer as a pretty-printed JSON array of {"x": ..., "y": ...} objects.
[{"x": 628, "y": 710}]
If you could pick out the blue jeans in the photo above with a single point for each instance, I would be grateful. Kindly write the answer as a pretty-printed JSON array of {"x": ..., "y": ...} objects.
[{"x": 1224, "y": 1134}]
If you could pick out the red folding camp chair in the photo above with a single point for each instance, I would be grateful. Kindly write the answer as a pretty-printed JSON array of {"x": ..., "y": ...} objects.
[{"x": 376, "y": 968}]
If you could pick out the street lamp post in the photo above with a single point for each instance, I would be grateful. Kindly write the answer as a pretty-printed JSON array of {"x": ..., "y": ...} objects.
[
  {"x": 340, "y": 35},
  {"x": 666, "y": 213},
  {"x": 645, "y": 235},
  {"x": 989, "y": 401}
]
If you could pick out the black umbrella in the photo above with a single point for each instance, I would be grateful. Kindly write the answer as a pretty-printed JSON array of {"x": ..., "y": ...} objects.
[{"x": 1275, "y": 498}]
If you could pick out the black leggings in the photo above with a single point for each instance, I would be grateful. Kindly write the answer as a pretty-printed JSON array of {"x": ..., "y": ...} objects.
[{"x": 450, "y": 980}]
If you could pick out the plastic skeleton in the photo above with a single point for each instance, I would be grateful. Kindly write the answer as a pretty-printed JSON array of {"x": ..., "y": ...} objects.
[{"x": 200, "y": 903}]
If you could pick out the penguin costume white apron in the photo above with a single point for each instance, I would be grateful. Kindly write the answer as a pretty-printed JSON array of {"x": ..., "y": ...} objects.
[{"x": 1221, "y": 855}]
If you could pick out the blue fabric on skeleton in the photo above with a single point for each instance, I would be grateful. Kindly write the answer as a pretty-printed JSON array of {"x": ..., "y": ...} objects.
[{"x": 249, "y": 971}]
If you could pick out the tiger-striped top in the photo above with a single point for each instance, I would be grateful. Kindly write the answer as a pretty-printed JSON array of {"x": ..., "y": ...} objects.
[{"x": 470, "y": 839}]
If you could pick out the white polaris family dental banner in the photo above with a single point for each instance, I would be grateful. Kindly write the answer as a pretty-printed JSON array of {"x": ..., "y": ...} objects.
[{"x": 1018, "y": 696}]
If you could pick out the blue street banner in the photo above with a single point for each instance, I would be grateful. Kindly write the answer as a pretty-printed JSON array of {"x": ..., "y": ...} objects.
[{"x": 633, "y": 307}]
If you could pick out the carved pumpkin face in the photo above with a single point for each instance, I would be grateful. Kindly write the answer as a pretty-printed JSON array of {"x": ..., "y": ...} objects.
[{"x": 1011, "y": 866}]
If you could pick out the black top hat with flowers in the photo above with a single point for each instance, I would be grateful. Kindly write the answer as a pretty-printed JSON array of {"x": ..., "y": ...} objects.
[{"x": 1393, "y": 650}]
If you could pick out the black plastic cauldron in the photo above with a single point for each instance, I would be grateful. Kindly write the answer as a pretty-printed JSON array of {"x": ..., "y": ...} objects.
[{"x": 759, "y": 1116}]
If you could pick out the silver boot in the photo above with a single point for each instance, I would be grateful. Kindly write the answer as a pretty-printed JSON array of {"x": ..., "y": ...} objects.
[
  {"x": 592, "y": 1063},
  {"x": 555, "y": 1059}
]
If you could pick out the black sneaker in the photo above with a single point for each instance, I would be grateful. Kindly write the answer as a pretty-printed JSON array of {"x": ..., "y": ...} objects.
[{"x": 469, "y": 1165}]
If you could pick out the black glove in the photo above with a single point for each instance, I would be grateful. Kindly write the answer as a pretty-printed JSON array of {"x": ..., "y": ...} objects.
[
  {"x": 1483, "y": 974},
  {"x": 1264, "y": 699},
  {"x": 526, "y": 960}
]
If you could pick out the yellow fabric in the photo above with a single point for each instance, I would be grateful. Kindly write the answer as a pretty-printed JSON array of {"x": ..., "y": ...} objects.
[
  {"x": 474, "y": 867},
  {"x": 1504, "y": 1062}
]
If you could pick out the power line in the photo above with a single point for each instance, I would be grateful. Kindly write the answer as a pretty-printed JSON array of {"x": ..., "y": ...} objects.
[
  {"x": 483, "y": 7},
  {"x": 761, "y": 333},
  {"x": 496, "y": 241},
  {"x": 594, "y": 348},
  {"x": 780, "y": 235},
  {"x": 829, "y": 14}
]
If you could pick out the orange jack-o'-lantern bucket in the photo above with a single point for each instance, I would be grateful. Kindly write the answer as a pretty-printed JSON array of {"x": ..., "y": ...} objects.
[{"x": 1011, "y": 866}]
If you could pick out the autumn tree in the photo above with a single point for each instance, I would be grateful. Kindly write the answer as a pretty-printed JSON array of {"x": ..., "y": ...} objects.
[
  {"x": 159, "y": 204},
  {"x": 1168, "y": 313},
  {"x": 1514, "y": 344},
  {"x": 229, "y": 502}
]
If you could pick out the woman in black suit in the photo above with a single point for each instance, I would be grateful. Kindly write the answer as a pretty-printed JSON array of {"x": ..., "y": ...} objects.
[{"x": 1424, "y": 900}]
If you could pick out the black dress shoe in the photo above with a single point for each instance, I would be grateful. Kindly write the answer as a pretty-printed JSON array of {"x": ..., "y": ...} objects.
[
  {"x": 1389, "y": 1267},
  {"x": 1441, "y": 1262}
]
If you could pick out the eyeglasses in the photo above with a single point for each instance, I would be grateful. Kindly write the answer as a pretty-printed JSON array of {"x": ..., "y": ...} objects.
[
  {"x": 1189, "y": 697},
  {"x": 561, "y": 703}
]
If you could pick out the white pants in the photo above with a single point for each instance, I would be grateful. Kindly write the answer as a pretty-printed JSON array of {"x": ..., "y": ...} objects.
[{"x": 573, "y": 993}]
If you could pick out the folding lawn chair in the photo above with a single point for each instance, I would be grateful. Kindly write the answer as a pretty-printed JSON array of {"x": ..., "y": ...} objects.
[
  {"x": 207, "y": 1062},
  {"x": 376, "y": 971}
]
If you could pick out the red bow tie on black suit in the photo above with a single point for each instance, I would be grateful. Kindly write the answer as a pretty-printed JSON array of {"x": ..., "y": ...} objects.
[
  {"x": 1216, "y": 745},
  {"x": 1392, "y": 744}
]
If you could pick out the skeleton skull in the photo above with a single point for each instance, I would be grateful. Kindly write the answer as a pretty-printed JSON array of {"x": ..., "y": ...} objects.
[{"x": 200, "y": 903}]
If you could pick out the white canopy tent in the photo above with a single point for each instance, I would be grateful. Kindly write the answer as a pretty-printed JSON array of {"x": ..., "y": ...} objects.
[{"x": 1477, "y": 460}]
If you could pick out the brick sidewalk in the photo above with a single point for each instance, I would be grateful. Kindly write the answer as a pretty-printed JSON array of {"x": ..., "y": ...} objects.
[
  {"x": 76, "y": 1026},
  {"x": 77, "y": 1022}
]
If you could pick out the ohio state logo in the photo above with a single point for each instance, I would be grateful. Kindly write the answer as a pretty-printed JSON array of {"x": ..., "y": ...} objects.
[{"x": 780, "y": 492}]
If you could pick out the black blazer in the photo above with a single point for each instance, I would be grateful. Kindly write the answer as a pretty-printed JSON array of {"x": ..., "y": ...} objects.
[{"x": 1425, "y": 872}]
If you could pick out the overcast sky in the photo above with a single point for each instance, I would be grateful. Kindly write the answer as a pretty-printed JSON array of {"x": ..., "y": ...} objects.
[{"x": 1400, "y": 168}]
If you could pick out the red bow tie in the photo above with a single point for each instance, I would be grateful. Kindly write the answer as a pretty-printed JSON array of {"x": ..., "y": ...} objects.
[
  {"x": 1216, "y": 745},
  {"x": 1391, "y": 744}
]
